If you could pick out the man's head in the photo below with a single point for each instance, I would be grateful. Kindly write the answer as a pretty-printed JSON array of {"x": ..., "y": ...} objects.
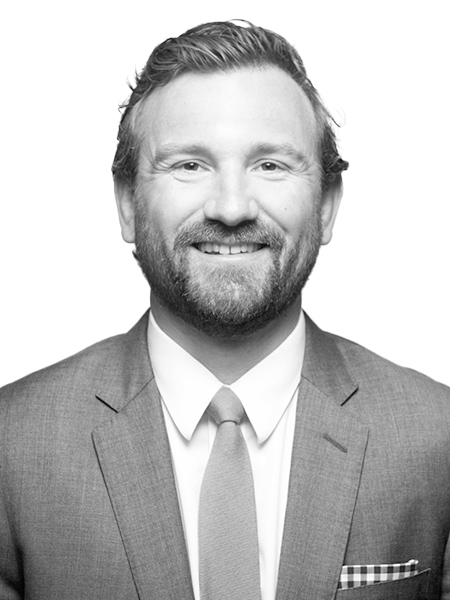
[
  {"x": 227, "y": 177},
  {"x": 221, "y": 47}
]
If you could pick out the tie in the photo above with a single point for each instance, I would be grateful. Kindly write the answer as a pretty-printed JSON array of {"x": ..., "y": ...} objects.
[{"x": 228, "y": 538}]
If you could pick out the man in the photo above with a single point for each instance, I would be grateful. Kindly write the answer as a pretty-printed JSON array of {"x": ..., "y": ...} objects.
[{"x": 115, "y": 474}]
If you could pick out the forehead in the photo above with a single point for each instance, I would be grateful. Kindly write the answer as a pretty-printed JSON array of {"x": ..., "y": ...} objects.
[{"x": 247, "y": 103}]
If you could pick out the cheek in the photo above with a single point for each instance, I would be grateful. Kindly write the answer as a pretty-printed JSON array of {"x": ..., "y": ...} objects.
[
  {"x": 294, "y": 217},
  {"x": 170, "y": 205},
  {"x": 291, "y": 204},
  {"x": 158, "y": 213}
]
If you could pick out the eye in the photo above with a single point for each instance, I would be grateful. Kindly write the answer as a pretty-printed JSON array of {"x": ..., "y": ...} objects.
[
  {"x": 190, "y": 170},
  {"x": 190, "y": 166},
  {"x": 269, "y": 166}
]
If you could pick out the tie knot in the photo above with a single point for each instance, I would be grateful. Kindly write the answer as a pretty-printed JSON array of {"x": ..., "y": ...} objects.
[{"x": 226, "y": 406}]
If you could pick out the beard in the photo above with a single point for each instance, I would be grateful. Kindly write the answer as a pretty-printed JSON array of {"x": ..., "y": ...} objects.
[{"x": 226, "y": 301}]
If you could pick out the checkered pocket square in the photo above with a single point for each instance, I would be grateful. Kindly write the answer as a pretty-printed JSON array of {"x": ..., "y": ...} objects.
[{"x": 358, "y": 575}]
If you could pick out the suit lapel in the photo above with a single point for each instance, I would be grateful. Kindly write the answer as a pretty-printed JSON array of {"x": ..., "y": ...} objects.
[
  {"x": 327, "y": 459},
  {"x": 134, "y": 456}
]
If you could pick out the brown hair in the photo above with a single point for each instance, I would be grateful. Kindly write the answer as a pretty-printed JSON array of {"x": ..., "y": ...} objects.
[{"x": 212, "y": 48}]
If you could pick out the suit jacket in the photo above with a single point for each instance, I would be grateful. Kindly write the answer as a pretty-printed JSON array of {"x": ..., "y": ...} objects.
[{"x": 88, "y": 502}]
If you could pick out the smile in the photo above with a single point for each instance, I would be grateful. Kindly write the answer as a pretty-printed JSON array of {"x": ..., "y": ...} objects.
[{"x": 213, "y": 248}]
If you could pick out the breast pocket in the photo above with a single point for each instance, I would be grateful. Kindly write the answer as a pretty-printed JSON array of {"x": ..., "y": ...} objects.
[{"x": 411, "y": 588}]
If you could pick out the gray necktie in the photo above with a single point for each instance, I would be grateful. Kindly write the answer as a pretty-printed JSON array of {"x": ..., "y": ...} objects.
[{"x": 228, "y": 537}]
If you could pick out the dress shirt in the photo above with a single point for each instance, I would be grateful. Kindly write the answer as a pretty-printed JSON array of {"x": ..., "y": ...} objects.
[{"x": 268, "y": 393}]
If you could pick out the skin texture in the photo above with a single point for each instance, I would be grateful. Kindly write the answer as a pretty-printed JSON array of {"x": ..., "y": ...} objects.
[{"x": 228, "y": 162}]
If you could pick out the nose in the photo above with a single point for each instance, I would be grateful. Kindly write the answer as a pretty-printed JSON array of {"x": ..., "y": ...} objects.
[{"x": 231, "y": 201}]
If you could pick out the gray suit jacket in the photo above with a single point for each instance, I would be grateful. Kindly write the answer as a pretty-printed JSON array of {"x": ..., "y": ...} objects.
[{"x": 88, "y": 504}]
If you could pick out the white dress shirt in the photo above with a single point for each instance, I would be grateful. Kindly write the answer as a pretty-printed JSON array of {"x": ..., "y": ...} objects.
[{"x": 268, "y": 393}]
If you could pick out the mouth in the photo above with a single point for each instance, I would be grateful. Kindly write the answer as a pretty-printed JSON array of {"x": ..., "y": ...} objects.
[{"x": 214, "y": 248}]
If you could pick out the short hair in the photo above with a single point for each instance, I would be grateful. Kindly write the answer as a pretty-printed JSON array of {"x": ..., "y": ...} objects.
[{"x": 221, "y": 47}]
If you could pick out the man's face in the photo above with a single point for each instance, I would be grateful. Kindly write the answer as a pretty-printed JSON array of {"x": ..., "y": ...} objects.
[{"x": 228, "y": 214}]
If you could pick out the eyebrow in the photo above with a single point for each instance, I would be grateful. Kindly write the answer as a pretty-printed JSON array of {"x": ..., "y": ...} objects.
[
  {"x": 282, "y": 148},
  {"x": 168, "y": 150}
]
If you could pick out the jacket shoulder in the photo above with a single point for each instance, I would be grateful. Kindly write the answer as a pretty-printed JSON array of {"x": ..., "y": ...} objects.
[
  {"x": 80, "y": 367},
  {"x": 371, "y": 369},
  {"x": 78, "y": 377}
]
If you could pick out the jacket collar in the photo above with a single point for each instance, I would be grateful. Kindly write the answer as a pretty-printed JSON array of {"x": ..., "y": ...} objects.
[
  {"x": 127, "y": 369},
  {"x": 324, "y": 365}
]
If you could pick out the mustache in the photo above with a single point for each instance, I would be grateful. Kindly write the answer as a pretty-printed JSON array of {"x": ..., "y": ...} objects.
[{"x": 248, "y": 232}]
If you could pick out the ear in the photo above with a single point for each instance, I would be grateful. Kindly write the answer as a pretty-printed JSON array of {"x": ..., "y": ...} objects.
[
  {"x": 331, "y": 200},
  {"x": 125, "y": 207}
]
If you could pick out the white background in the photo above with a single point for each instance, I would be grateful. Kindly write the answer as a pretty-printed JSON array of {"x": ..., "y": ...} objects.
[{"x": 68, "y": 280}]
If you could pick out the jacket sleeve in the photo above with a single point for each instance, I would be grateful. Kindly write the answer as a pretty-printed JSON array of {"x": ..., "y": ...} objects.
[
  {"x": 445, "y": 586},
  {"x": 11, "y": 572},
  {"x": 11, "y": 587}
]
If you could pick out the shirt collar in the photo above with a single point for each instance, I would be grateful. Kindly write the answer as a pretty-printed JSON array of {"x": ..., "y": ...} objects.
[{"x": 187, "y": 386}]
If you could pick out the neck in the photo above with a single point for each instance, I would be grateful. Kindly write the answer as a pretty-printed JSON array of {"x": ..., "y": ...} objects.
[{"x": 228, "y": 360}]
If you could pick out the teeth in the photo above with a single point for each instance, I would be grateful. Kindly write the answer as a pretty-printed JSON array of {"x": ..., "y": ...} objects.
[{"x": 213, "y": 248}]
